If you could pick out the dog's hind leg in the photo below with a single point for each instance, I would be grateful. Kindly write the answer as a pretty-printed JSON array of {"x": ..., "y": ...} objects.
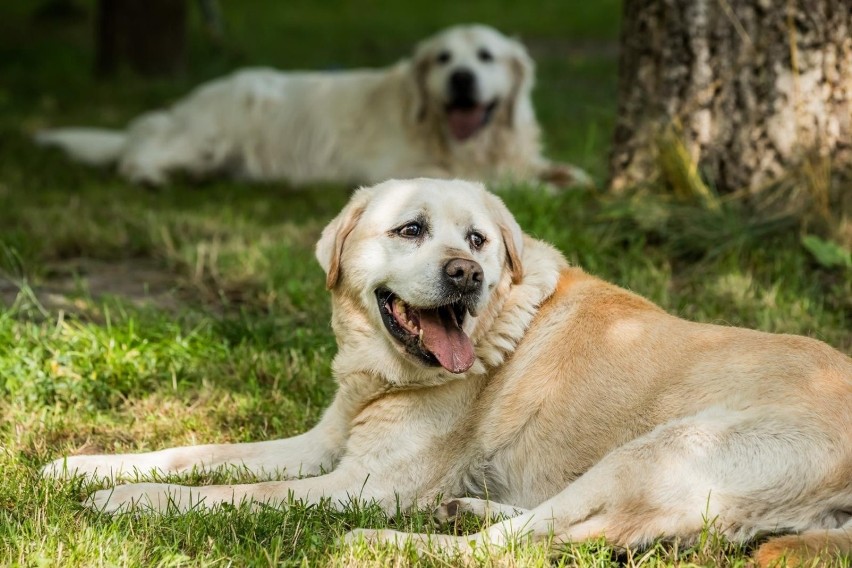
[
  {"x": 164, "y": 142},
  {"x": 736, "y": 473}
]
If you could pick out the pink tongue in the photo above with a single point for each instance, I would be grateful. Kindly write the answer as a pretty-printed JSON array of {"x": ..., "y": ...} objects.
[
  {"x": 464, "y": 123},
  {"x": 443, "y": 337}
]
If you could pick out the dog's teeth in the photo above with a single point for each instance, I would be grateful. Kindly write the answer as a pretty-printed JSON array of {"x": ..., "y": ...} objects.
[{"x": 420, "y": 336}]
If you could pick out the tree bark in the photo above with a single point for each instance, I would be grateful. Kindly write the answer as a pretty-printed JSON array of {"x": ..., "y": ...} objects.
[
  {"x": 148, "y": 36},
  {"x": 749, "y": 91}
]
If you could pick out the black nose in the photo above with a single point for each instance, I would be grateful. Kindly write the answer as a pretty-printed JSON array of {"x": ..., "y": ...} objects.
[
  {"x": 462, "y": 82},
  {"x": 464, "y": 275}
]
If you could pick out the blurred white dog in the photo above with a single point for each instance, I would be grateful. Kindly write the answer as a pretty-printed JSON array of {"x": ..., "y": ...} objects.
[{"x": 459, "y": 108}]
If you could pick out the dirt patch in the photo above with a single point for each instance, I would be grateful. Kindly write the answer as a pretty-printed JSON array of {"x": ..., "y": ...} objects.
[{"x": 72, "y": 285}]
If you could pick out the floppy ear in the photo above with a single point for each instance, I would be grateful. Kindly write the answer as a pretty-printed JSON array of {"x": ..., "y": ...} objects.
[
  {"x": 419, "y": 69},
  {"x": 523, "y": 78},
  {"x": 513, "y": 237},
  {"x": 330, "y": 246}
]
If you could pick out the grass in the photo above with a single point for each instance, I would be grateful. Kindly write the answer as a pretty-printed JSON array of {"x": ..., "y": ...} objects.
[{"x": 235, "y": 345}]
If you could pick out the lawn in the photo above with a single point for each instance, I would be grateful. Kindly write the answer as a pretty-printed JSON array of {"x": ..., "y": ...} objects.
[{"x": 133, "y": 320}]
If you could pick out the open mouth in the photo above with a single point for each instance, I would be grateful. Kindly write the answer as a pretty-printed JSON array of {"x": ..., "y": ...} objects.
[
  {"x": 433, "y": 335},
  {"x": 465, "y": 118}
]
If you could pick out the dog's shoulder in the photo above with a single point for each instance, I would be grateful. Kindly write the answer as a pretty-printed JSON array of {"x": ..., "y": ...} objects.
[{"x": 594, "y": 298}]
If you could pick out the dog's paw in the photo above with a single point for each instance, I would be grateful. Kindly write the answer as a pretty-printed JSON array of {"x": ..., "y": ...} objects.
[
  {"x": 144, "y": 497},
  {"x": 448, "y": 511},
  {"x": 565, "y": 175},
  {"x": 375, "y": 536},
  {"x": 111, "y": 501},
  {"x": 357, "y": 536},
  {"x": 142, "y": 175},
  {"x": 90, "y": 467}
]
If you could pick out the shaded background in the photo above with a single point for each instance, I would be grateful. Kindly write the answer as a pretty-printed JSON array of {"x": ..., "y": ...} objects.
[{"x": 47, "y": 59}]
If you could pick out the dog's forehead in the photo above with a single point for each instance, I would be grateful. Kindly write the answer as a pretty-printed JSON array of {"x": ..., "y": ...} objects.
[
  {"x": 470, "y": 37},
  {"x": 453, "y": 202}
]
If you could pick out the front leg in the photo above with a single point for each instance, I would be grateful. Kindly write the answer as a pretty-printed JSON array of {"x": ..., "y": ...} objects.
[
  {"x": 310, "y": 453},
  {"x": 169, "y": 497},
  {"x": 340, "y": 487}
]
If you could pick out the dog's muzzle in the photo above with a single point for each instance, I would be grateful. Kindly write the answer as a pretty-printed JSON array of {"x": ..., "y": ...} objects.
[
  {"x": 434, "y": 334},
  {"x": 466, "y": 115}
]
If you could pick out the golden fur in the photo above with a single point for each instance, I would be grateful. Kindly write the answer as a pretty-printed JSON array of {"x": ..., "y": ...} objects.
[{"x": 588, "y": 411}]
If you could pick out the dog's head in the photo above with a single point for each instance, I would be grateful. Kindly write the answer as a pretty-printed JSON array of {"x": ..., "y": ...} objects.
[
  {"x": 466, "y": 76},
  {"x": 419, "y": 260}
]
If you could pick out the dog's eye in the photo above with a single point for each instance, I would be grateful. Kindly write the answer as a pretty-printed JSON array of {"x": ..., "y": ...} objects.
[
  {"x": 444, "y": 57},
  {"x": 484, "y": 55},
  {"x": 411, "y": 230},
  {"x": 476, "y": 240}
]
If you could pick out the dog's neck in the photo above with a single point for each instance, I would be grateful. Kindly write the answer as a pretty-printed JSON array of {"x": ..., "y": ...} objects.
[{"x": 501, "y": 326}]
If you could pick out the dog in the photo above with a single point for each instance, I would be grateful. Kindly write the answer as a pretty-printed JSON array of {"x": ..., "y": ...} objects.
[
  {"x": 474, "y": 363},
  {"x": 460, "y": 107}
]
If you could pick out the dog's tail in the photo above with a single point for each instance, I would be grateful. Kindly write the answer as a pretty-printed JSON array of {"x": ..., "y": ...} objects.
[
  {"x": 810, "y": 548},
  {"x": 92, "y": 146}
]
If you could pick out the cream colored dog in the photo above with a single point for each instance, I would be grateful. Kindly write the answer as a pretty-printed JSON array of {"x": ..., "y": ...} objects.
[
  {"x": 473, "y": 361},
  {"x": 461, "y": 107}
]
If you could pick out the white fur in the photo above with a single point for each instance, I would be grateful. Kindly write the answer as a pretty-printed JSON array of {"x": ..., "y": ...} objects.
[
  {"x": 92, "y": 146},
  {"x": 360, "y": 126}
]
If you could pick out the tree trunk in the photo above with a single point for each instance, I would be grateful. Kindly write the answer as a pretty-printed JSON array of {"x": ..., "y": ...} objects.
[
  {"x": 149, "y": 36},
  {"x": 750, "y": 92}
]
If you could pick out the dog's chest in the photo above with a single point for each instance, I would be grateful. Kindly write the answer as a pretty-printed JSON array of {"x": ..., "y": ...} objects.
[
  {"x": 531, "y": 444},
  {"x": 525, "y": 473}
]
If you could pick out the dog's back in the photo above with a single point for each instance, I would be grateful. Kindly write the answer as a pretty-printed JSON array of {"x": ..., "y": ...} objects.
[{"x": 600, "y": 366}]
